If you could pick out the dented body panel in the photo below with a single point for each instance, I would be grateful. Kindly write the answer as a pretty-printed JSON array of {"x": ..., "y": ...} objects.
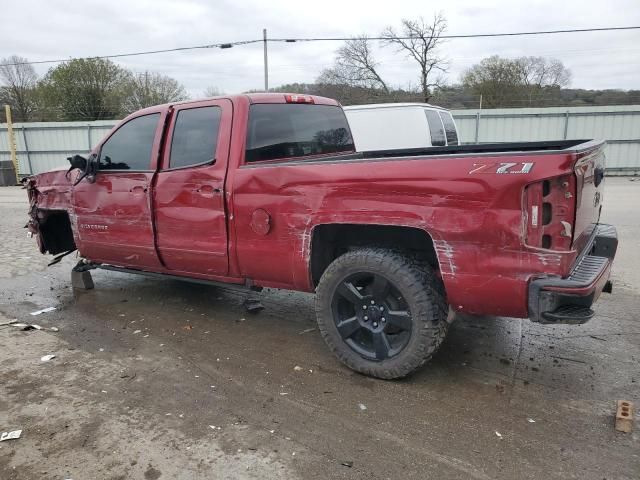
[{"x": 255, "y": 223}]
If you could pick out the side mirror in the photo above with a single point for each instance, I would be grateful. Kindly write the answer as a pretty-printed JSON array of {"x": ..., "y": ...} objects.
[
  {"x": 89, "y": 167},
  {"x": 77, "y": 161}
]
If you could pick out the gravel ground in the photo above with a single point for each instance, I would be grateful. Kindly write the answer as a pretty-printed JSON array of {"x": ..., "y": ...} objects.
[{"x": 162, "y": 379}]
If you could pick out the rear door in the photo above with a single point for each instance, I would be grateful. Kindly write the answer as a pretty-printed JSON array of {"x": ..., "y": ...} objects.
[{"x": 189, "y": 204}]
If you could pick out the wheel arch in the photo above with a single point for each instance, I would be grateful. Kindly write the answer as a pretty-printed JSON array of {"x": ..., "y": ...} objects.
[{"x": 331, "y": 240}]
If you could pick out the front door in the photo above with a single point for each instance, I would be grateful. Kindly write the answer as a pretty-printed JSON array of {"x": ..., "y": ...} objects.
[
  {"x": 113, "y": 214},
  {"x": 189, "y": 195}
]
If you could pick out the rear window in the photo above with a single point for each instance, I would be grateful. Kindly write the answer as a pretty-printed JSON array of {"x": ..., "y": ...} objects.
[
  {"x": 449, "y": 128},
  {"x": 296, "y": 130},
  {"x": 438, "y": 137}
]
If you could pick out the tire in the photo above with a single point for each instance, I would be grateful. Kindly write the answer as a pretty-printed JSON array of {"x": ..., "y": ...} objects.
[{"x": 351, "y": 301}]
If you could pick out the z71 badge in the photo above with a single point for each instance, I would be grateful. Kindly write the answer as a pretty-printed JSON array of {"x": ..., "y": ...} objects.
[{"x": 505, "y": 167}]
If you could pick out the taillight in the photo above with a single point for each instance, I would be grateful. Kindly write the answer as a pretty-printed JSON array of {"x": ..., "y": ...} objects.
[
  {"x": 299, "y": 99},
  {"x": 550, "y": 206}
]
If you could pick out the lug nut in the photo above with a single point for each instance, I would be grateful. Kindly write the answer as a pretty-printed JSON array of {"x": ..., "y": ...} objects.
[
  {"x": 375, "y": 324},
  {"x": 383, "y": 319},
  {"x": 373, "y": 302},
  {"x": 381, "y": 309},
  {"x": 366, "y": 318},
  {"x": 364, "y": 307}
]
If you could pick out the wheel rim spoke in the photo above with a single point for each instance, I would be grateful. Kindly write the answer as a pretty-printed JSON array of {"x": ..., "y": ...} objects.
[
  {"x": 380, "y": 287},
  {"x": 350, "y": 293},
  {"x": 399, "y": 318},
  {"x": 348, "y": 327},
  {"x": 381, "y": 345}
]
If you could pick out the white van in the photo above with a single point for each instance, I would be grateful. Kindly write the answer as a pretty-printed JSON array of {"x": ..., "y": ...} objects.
[{"x": 390, "y": 126}]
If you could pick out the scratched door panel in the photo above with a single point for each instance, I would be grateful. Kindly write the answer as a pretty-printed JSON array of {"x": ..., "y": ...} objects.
[
  {"x": 114, "y": 219},
  {"x": 189, "y": 204}
]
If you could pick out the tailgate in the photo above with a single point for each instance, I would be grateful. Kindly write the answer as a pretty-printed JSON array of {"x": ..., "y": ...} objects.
[{"x": 589, "y": 170}]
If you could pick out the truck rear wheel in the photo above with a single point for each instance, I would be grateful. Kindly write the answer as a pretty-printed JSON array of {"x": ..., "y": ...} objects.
[{"x": 380, "y": 312}]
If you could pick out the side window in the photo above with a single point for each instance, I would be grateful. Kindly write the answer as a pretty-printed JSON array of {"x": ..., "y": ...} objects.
[
  {"x": 438, "y": 138},
  {"x": 195, "y": 136},
  {"x": 296, "y": 130},
  {"x": 129, "y": 148},
  {"x": 449, "y": 128}
]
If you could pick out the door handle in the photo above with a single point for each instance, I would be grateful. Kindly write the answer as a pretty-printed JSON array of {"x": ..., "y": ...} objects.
[
  {"x": 209, "y": 190},
  {"x": 138, "y": 189}
]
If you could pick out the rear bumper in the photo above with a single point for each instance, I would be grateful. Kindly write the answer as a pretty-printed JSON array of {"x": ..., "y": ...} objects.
[{"x": 568, "y": 300}]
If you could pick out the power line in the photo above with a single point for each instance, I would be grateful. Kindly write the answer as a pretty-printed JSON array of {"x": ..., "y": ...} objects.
[
  {"x": 323, "y": 39},
  {"x": 473, "y": 35},
  {"x": 133, "y": 54}
]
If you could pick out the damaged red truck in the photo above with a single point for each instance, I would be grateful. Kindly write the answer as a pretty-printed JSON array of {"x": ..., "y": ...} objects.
[{"x": 266, "y": 190}]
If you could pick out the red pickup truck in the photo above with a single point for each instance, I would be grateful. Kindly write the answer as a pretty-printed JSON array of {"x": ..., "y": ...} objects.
[{"x": 267, "y": 190}]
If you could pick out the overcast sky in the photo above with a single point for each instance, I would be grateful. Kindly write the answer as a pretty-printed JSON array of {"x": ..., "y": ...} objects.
[{"x": 50, "y": 29}]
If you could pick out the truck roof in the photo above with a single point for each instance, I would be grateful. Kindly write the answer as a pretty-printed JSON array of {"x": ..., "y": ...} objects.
[
  {"x": 266, "y": 98},
  {"x": 374, "y": 106},
  {"x": 252, "y": 97}
]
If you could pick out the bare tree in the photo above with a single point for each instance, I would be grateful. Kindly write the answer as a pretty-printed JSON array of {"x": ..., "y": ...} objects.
[
  {"x": 538, "y": 73},
  {"x": 18, "y": 85},
  {"x": 212, "y": 91},
  {"x": 150, "y": 88},
  {"x": 420, "y": 41},
  {"x": 354, "y": 66}
]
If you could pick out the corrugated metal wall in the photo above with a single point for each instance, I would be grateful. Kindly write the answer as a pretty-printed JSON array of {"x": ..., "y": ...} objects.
[
  {"x": 43, "y": 146},
  {"x": 618, "y": 125}
]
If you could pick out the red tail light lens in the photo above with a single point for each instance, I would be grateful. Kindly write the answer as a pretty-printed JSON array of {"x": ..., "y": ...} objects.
[
  {"x": 550, "y": 213},
  {"x": 299, "y": 99}
]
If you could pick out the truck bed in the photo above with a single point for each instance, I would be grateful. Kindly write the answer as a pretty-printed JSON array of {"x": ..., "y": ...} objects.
[{"x": 483, "y": 148}]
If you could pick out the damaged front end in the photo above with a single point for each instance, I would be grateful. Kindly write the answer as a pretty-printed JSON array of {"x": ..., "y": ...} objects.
[{"x": 49, "y": 213}]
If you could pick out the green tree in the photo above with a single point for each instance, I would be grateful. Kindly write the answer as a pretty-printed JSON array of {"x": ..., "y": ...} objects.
[
  {"x": 519, "y": 82},
  {"x": 86, "y": 89}
]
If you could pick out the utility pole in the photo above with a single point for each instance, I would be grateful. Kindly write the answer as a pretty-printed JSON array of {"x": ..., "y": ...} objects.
[
  {"x": 266, "y": 61},
  {"x": 12, "y": 142}
]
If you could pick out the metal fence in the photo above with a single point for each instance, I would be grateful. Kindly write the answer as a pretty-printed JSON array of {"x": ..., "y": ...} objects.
[
  {"x": 618, "y": 125},
  {"x": 44, "y": 146}
]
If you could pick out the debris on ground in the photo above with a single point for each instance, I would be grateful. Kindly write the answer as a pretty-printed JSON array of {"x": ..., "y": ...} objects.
[
  {"x": 14, "y": 435},
  {"x": 297, "y": 368},
  {"x": 8, "y": 322},
  {"x": 26, "y": 326},
  {"x": 362, "y": 406},
  {"x": 347, "y": 464},
  {"x": 54, "y": 329},
  {"x": 531, "y": 420},
  {"x": 253, "y": 306},
  {"x": 187, "y": 327},
  {"x": 499, "y": 435},
  {"x": 44, "y": 310},
  {"x": 47, "y": 358},
  {"x": 306, "y": 331},
  {"x": 136, "y": 331},
  {"x": 624, "y": 416}
]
